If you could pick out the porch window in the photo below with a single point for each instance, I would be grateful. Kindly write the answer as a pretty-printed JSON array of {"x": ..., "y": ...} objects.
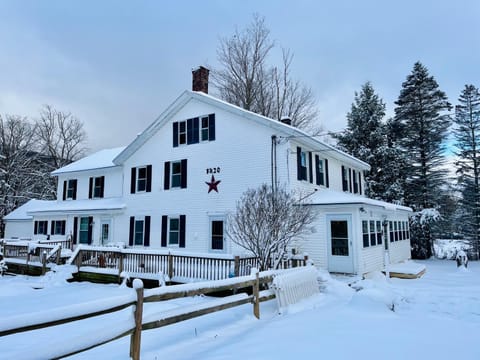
[
  {"x": 366, "y": 242},
  {"x": 390, "y": 227},
  {"x": 379, "y": 232},
  {"x": 373, "y": 235}
]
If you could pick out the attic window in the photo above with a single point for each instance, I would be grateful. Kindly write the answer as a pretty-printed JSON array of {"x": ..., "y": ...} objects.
[{"x": 194, "y": 130}]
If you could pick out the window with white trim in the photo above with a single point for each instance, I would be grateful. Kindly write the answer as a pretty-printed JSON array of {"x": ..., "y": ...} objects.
[
  {"x": 173, "y": 230},
  {"x": 141, "y": 179},
  {"x": 138, "y": 232},
  {"x": 58, "y": 227}
]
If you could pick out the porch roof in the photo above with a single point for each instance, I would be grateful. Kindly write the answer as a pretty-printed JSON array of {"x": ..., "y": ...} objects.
[
  {"x": 76, "y": 206},
  {"x": 21, "y": 213},
  {"x": 331, "y": 197}
]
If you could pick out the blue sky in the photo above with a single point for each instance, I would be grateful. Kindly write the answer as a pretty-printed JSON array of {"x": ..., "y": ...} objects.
[{"x": 116, "y": 64}]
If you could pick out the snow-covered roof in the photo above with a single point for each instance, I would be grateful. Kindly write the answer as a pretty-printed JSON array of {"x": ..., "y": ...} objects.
[
  {"x": 283, "y": 129},
  {"x": 99, "y": 160},
  {"x": 79, "y": 206},
  {"x": 331, "y": 197},
  {"x": 21, "y": 212}
]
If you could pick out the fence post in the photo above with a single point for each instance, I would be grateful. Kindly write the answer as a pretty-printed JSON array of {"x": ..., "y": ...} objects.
[
  {"x": 305, "y": 259},
  {"x": 237, "y": 266},
  {"x": 44, "y": 262},
  {"x": 135, "y": 339},
  {"x": 256, "y": 294},
  {"x": 170, "y": 266}
]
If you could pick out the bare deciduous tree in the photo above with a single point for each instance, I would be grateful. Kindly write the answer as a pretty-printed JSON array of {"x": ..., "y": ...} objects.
[
  {"x": 17, "y": 158},
  {"x": 245, "y": 79},
  {"x": 266, "y": 223},
  {"x": 61, "y": 135}
]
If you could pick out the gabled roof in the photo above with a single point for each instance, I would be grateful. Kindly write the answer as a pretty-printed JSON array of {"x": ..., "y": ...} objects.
[
  {"x": 99, "y": 160},
  {"x": 287, "y": 131},
  {"x": 331, "y": 197},
  {"x": 21, "y": 213}
]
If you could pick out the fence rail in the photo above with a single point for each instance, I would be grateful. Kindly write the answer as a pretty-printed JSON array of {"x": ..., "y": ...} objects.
[
  {"x": 32, "y": 252},
  {"x": 253, "y": 281}
]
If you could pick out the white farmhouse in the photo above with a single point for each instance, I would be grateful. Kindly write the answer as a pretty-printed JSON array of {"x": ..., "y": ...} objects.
[{"x": 174, "y": 185}]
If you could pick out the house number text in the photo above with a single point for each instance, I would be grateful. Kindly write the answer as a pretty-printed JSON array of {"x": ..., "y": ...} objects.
[{"x": 214, "y": 170}]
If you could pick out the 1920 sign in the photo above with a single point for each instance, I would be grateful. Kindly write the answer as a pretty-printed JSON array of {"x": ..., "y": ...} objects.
[{"x": 214, "y": 170}]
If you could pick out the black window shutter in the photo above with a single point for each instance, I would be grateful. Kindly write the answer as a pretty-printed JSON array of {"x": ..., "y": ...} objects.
[
  {"x": 149, "y": 178},
  {"x": 355, "y": 185},
  {"x": 90, "y": 187},
  {"x": 175, "y": 134},
  {"x": 181, "y": 242},
  {"x": 35, "y": 228},
  {"x": 63, "y": 227},
  {"x": 131, "y": 230},
  {"x": 102, "y": 183},
  {"x": 189, "y": 131},
  {"x": 196, "y": 131},
  {"x": 349, "y": 179},
  {"x": 52, "y": 227},
  {"x": 327, "y": 182},
  {"x": 133, "y": 180},
  {"x": 360, "y": 182},
  {"x": 183, "y": 179},
  {"x": 164, "y": 230},
  {"x": 299, "y": 163},
  {"x": 90, "y": 229},
  {"x": 146, "y": 235},
  {"x": 310, "y": 167},
  {"x": 166, "y": 176},
  {"x": 211, "y": 127},
  {"x": 74, "y": 189},
  {"x": 65, "y": 190},
  {"x": 317, "y": 172},
  {"x": 75, "y": 229}
]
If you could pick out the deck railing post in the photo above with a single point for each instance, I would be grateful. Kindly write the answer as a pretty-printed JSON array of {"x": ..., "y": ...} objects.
[
  {"x": 135, "y": 339},
  {"x": 256, "y": 294},
  {"x": 120, "y": 265},
  {"x": 170, "y": 266},
  {"x": 79, "y": 260},
  {"x": 44, "y": 262},
  {"x": 237, "y": 266},
  {"x": 59, "y": 251},
  {"x": 305, "y": 259}
]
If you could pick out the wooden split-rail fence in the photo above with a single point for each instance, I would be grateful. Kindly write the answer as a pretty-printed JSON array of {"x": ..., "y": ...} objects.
[{"x": 248, "y": 288}]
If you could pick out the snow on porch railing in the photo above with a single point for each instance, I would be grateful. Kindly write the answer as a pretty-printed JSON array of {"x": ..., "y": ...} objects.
[{"x": 294, "y": 285}]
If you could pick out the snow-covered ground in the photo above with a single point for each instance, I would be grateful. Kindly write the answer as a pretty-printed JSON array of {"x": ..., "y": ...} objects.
[{"x": 434, "y": 317}]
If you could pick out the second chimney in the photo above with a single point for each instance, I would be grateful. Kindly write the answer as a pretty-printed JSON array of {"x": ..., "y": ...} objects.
[{"x": 200, "y": 79}]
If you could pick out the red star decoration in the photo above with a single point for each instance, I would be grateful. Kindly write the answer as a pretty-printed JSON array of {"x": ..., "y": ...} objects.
[{"x": 212, "y": 185}]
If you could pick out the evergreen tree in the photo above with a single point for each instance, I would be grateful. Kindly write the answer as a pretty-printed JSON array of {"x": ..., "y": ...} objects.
[
  {"x": 365, "y": 138},
  {"x": 423, "y": 122},
  {"x": 467, "y": 136}
]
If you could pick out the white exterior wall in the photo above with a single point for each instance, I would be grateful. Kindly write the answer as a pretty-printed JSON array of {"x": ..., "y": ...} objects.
[
  {"x": 113, "y": 182},
  {"x": 241, "y": 150},
  {"x": 18, "y": 229}
]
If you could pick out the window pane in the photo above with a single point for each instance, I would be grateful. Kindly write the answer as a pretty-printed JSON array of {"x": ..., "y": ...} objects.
[
  {"x": 217, "y": 235},
  {"x": 204, "y": 134},
  {"x": 373, "y": 240},
  {"x": 176, "y": 174},
  {"x": 366, "y": 242},
  {"x": 138, "y": 232},
  {"x": 379, "y": 232},
  {"x": 174, "y": 230},
  {"x": 339, "y": 235}
]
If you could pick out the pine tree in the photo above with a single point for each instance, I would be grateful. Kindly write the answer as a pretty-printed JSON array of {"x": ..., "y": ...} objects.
[
  {"x": 365, "y": 138},
  {"x": 423, "y": 121},
  {"x": 467, "y": 136}
]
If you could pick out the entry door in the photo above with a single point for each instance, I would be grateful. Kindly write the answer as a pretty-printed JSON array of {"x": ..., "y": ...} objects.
[
  {"x": 85, "y": 230},
  {"x": 340, "y": 252},
  {"x": 105, "y": 232}
]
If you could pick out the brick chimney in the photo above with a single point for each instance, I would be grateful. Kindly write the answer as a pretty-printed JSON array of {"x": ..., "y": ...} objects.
[{"x": 200, "y": 79}]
